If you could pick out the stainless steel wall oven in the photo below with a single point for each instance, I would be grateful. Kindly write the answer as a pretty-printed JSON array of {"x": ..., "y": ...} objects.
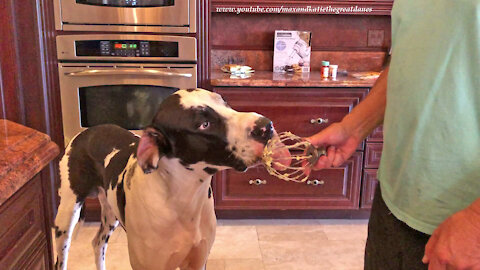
[
  {"x": 120, "y": 79},
  {"x": 173, "y": 16}
]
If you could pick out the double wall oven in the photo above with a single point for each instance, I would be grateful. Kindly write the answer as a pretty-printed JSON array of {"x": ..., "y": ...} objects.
[
  {"x": 172, "y": 16},
  {"x": 120, "y": 79}
]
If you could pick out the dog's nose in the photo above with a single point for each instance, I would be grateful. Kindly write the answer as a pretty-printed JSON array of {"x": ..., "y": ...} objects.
[{"x": 263, "y": 130}]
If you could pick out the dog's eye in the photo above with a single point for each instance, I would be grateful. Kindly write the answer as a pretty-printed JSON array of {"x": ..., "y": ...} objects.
[{"x": 204, "y": 125}]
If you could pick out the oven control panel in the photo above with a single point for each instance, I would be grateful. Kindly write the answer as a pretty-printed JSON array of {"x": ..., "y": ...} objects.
[{"x": 126, "y": 48}]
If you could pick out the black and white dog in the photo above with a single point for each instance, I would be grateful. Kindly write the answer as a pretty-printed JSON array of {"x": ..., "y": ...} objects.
[{"x": 158, "y": 186}]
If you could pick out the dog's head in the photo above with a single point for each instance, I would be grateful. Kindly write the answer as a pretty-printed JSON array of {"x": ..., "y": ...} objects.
[{"x": 197, "y": 126}]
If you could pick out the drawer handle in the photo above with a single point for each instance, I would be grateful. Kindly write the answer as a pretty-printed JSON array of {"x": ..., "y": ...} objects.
[
  {"x": 318, "y": 121},
  {"x": 257, "y": 182},
  {"x": 315, "y": 182}
]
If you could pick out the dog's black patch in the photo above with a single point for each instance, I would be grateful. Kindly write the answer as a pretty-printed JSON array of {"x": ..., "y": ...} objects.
[
  {"x": 210, "y": 170},
  {"x": 57, "y": 232},
  {"x": 201, "y": 180},
  {"x": 87, "y": 155},
  {"x": 188, "y": 168},
  {"x": 187, "y": 142},
  {"x": 209, "y": 192}
]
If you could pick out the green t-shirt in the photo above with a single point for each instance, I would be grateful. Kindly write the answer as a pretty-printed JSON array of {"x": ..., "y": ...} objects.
[{"x": 430, "y": 166}]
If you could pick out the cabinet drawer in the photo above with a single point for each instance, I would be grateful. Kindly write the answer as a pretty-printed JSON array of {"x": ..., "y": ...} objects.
[
  {"x": 369, "y": 185},
  {"x": 338, "y": 188},
  {"x": 373, "y": 154},
  {"x": 296, "y": 110},
  {"x": 22, "y": 225}
]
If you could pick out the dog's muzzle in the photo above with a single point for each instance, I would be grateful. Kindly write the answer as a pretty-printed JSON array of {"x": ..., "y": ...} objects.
[{"x": 263, "y": 130}]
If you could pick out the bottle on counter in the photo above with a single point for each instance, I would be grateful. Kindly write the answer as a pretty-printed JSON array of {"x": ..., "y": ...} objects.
[
  {"x": 333, "y": 71},
  {"x": 325, "y": 69}
]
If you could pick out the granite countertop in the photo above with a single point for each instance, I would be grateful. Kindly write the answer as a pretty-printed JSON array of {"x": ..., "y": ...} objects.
[
  {"x": 270, "y": 79},
  {"x": 24, "y": 152}
]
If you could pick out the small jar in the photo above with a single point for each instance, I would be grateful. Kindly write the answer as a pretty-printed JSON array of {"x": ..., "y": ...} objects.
[
  {"x": 325, "y": 69},
  {"x": 333, "y": 71}
]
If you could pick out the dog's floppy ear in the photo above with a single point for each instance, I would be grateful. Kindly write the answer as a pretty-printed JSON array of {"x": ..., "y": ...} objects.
[{"x": 150, "y": 149}]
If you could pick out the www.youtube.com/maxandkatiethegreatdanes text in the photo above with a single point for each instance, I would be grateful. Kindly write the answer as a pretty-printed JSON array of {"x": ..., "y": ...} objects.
[{"x": 302, "y": 10}]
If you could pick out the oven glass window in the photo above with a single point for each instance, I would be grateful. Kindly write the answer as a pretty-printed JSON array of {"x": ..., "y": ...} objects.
[
  {"x": 129, "y": 106},
  {"x": 128, "y": 3}
]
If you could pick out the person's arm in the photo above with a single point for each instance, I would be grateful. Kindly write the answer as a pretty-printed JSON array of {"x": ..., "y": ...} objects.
[
  {"x": 342, "y": 139},
  {"x": 368, "y": 115},
  {"x": 455, "y": 244}
]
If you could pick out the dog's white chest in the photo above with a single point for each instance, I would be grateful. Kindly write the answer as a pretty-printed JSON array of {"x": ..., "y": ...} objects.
[{"x": 163, "y": 224}]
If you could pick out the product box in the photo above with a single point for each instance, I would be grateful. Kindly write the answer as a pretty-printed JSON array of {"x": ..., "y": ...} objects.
[{"x": 292, "y": 51}]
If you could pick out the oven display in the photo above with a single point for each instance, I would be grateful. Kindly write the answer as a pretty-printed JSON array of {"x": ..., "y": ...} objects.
[
  {"x": 126, "y": 48},
  {"x": 130, "y": 49}
]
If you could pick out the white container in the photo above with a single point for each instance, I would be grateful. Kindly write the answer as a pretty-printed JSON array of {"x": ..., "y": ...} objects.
[{"x": 333, "y": 71}]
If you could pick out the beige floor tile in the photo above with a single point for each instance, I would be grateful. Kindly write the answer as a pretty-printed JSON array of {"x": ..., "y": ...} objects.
[
  {"x": 346, "y": 255},
  {"x": 345, "y": 232},
  {"x": 216, "y": 265},
  {"x": 244, "y": 264},
  {"x": 293, "y": 255},
  {"x": 299, "y": 233},
  {"x": 236, "y": 242}
]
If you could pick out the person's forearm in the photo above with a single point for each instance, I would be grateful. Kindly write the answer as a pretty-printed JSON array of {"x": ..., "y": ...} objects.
[{"x": 368, "y": 115}]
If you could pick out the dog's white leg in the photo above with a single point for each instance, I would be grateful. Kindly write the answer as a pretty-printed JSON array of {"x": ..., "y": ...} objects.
[
  {"x": 108, "y": 225},
  {"x": 67, "y": 216}
]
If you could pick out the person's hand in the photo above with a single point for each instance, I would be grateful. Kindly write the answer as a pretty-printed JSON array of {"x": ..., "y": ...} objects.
[
  {"x": 340, "y": 144},
  {"x": 455, "y": 244}
]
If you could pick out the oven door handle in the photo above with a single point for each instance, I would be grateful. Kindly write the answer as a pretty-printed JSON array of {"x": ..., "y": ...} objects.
[{"x": 140, "y": 72}]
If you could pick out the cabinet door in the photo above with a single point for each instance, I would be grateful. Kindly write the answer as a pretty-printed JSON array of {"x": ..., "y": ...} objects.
[
  {"x": 336, "y": 188},
  {"x": 373, "y": 154},
  {"x": 369, "y": 185},
  {"x": 22, "y": 232}
]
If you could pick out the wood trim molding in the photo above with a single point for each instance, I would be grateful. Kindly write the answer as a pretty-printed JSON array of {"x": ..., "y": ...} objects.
[
  {"x": 203, "y": 27},
  {"x": 351, "y": 7}
]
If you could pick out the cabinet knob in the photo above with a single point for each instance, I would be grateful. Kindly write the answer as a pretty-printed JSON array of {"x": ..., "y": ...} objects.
[
  {"x": 257, "y": 182},
  {"x": 318, "y": 121},
  {"x": 315, "y": 182}
]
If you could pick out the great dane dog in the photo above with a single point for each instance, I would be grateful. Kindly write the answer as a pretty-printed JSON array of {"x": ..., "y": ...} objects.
[{"x": 157, "y": 186}]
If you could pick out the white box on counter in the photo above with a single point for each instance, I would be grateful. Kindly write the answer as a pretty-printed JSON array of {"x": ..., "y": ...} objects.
[{"x": 291, "y": 51}]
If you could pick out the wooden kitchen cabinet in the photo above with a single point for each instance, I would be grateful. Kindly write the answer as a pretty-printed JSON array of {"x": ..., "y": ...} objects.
[
  {"x": 25, "y": 224},
  {"x": 293, "y": 109},
  {"x": 373, "y": 154},
  {"x": 369, "y": 185},
  {"x": 22, "y": 230}
]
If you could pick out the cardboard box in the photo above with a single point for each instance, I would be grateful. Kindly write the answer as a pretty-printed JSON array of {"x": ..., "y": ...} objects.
[{"x": 292, "y": 51}]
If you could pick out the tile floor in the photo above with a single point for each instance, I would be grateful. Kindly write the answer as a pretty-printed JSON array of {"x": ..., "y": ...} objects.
[{"x": 253, "y": 245}]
